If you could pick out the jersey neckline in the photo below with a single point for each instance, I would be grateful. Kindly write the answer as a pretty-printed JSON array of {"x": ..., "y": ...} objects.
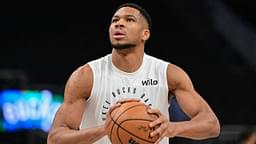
[{"x": 121, "y": 72}]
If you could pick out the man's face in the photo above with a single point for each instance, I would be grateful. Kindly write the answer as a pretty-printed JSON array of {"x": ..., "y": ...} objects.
[{"x": 127, "y": 28}]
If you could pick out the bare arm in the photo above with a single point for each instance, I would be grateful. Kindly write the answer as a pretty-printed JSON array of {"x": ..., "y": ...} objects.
[
  {"x": 65, "y": 127},
  {"x": 203, "y": 123}
]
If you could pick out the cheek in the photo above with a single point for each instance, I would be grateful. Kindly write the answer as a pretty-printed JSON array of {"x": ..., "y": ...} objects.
[
  {"x": 110, "y": 29},
  {"x": 137, "y": 35},
  {"x": 110, "y": 32}
]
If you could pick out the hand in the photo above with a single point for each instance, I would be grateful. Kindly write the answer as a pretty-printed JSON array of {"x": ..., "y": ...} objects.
[
  {"x": 108, "y": 119},
  {"x": 116, "y": 105},
  {"x": 162, "y": 124}
]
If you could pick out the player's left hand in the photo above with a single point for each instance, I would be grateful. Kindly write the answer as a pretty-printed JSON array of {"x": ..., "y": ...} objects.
[{"x": 162, "y": 125}]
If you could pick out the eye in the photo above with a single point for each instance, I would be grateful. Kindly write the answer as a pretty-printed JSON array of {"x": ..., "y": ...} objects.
[
  {"x": 130, "y": 20},
  {"x": 114, "y": 20}
]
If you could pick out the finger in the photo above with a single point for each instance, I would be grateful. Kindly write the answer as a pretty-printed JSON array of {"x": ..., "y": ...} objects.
[
  {"x": 155, "y": 123},
  {"x": 154, "y": 111},
  {"x": 114, "y": 107},
  {"x": 158, "y": 140},
  {"x": 161, "y": 137},
  {"x": 157, "y": 131}
]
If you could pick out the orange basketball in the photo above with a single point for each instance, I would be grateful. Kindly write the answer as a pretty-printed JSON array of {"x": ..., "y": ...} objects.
[{"x": 130, "y": 124}]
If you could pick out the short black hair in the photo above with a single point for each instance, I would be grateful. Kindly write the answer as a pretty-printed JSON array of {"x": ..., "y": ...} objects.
[{"x": 141, "y": 10}]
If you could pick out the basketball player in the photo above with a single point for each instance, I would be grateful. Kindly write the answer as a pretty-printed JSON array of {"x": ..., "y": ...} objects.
[{"x": 128, "y": 72}]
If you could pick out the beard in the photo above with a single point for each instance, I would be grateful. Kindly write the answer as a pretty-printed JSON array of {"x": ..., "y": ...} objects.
[{"x": 122, "y": 46}]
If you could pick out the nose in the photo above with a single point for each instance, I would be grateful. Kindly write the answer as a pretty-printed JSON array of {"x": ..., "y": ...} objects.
[{"x": 120, "y": 23}]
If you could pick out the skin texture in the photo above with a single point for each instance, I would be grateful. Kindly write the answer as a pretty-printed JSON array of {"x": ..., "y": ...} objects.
[{"x": 134, "y": 32}]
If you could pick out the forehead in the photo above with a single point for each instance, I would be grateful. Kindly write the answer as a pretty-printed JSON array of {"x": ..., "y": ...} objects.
[{"x": 124, "y": 11}]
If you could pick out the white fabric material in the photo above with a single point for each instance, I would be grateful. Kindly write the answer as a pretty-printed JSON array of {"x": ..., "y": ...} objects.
[{"x": 149, "y": 83}]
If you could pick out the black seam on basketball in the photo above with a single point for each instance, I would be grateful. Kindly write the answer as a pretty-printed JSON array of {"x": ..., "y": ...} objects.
[
  {"x": 119, "y": 126},
  {"x": 115, "y": 123},
  {"x": 119, "y": 117}
]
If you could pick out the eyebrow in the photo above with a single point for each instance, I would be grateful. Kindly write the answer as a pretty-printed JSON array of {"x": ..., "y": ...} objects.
[{"x": 117, "y": 16}]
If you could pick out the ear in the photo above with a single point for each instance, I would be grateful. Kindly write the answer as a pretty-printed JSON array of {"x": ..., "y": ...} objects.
[{"x": 145, "y": 34}]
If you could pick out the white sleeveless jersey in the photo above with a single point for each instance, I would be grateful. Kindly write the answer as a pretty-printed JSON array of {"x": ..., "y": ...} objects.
[{"x": 148, "y": 83}]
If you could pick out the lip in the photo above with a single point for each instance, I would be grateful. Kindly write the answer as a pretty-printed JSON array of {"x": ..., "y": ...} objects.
[{"x": 119, "y": 34}]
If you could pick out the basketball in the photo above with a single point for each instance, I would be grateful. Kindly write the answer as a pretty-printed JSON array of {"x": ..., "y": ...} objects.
[{"x": 130, "y": 124}]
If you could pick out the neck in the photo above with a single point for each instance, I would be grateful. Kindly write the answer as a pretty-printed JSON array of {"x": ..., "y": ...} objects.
[{"x": 127, "y": 60}]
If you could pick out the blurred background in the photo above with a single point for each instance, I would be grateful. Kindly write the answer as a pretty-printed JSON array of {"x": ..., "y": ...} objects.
[{"x": 43, "y": 42}]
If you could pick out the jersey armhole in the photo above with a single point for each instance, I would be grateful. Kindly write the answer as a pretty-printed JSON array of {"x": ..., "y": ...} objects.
[{"x": 93, "y": 84}]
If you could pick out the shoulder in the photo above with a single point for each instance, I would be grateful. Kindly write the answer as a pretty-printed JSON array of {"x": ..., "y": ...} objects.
[
  {"x": 99, "y": 60},
  {"x": 98, "y": 64},
  {"x": 156, "y": 61},
  {"x": 81, "y": 73},
  {"x": 153, "y": 58},
  {"x": 177, "y": 76},
  {"x": 79, "y": 84},
  {"x": 175, "y": 69}
]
